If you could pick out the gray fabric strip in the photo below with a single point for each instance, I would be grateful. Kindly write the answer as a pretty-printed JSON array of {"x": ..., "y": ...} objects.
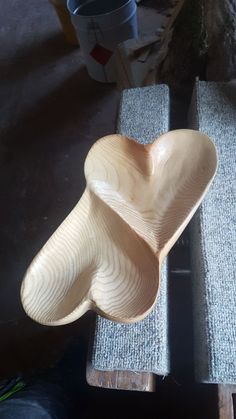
[
  {"x": 213, "y": 240},
  {"x": 143, "y": 346}
]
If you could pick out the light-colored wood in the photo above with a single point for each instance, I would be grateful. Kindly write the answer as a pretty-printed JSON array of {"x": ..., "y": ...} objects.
[
  {"x": 106, "y": 255},
  {"x": 138, "y": 60},
  {"x": 226, "y": 402}
]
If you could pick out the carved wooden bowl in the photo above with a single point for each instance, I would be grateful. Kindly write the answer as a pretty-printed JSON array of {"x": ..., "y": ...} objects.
[{"x": 106, "y": 255}]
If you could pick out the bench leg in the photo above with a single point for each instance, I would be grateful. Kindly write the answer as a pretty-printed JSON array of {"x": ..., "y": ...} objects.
[{"x": 227, "y": 401}]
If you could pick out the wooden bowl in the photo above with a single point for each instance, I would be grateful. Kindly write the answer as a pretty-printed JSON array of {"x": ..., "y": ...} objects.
[{"x": 106, "y": 256}]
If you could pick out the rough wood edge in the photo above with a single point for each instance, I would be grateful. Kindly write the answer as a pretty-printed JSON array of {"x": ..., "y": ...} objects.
[
  {"x": 226, "y": 405},
  {"x": 116, "y": 380},
  {"x": 120, "y": 380}
]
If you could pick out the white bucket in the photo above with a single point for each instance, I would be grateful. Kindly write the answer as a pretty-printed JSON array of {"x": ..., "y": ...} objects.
[{"x": 101, "y": 25}]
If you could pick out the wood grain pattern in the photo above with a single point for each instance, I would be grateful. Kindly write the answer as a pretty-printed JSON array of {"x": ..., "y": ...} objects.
[{"x": 106, "y": 255}]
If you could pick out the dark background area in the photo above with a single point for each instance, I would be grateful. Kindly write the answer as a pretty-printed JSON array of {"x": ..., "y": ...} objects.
[{"x": 51, "y": 114}]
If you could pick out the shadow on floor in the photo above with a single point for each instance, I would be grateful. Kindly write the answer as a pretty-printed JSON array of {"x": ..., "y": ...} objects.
[{"x": 51, "y": 114}]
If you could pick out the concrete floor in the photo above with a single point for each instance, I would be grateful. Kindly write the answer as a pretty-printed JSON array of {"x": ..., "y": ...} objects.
[{"x": 51, "y": 113}]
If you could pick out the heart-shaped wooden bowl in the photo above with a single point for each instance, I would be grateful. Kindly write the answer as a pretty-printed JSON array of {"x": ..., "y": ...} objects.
[{"x": 106, "y": 255}]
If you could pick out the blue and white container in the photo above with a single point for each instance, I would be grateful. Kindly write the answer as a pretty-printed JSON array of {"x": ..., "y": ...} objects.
[{"x": 101, "y": 25}]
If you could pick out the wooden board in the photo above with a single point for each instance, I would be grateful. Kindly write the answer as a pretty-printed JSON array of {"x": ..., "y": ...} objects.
[
  {"x": 227, "y": 401},
  {"x": 120, "y": 380},
  {"x": 134, "y": 70},
  {"x": 116, "y": 380}
]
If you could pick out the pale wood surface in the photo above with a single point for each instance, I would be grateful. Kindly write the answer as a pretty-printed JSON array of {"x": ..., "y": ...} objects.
[
  {"x": 106, "y": 255},
  {"x": 227, "y": 401},
  {"x": 138, "y": 60}
]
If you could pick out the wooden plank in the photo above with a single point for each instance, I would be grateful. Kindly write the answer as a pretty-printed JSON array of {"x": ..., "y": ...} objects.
[
  {"x": 116, "y": 380},
  {"x": 120, "y": 380},
  {"x": 226, "y": 401},
  {"x": 137, "y": 61}
]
